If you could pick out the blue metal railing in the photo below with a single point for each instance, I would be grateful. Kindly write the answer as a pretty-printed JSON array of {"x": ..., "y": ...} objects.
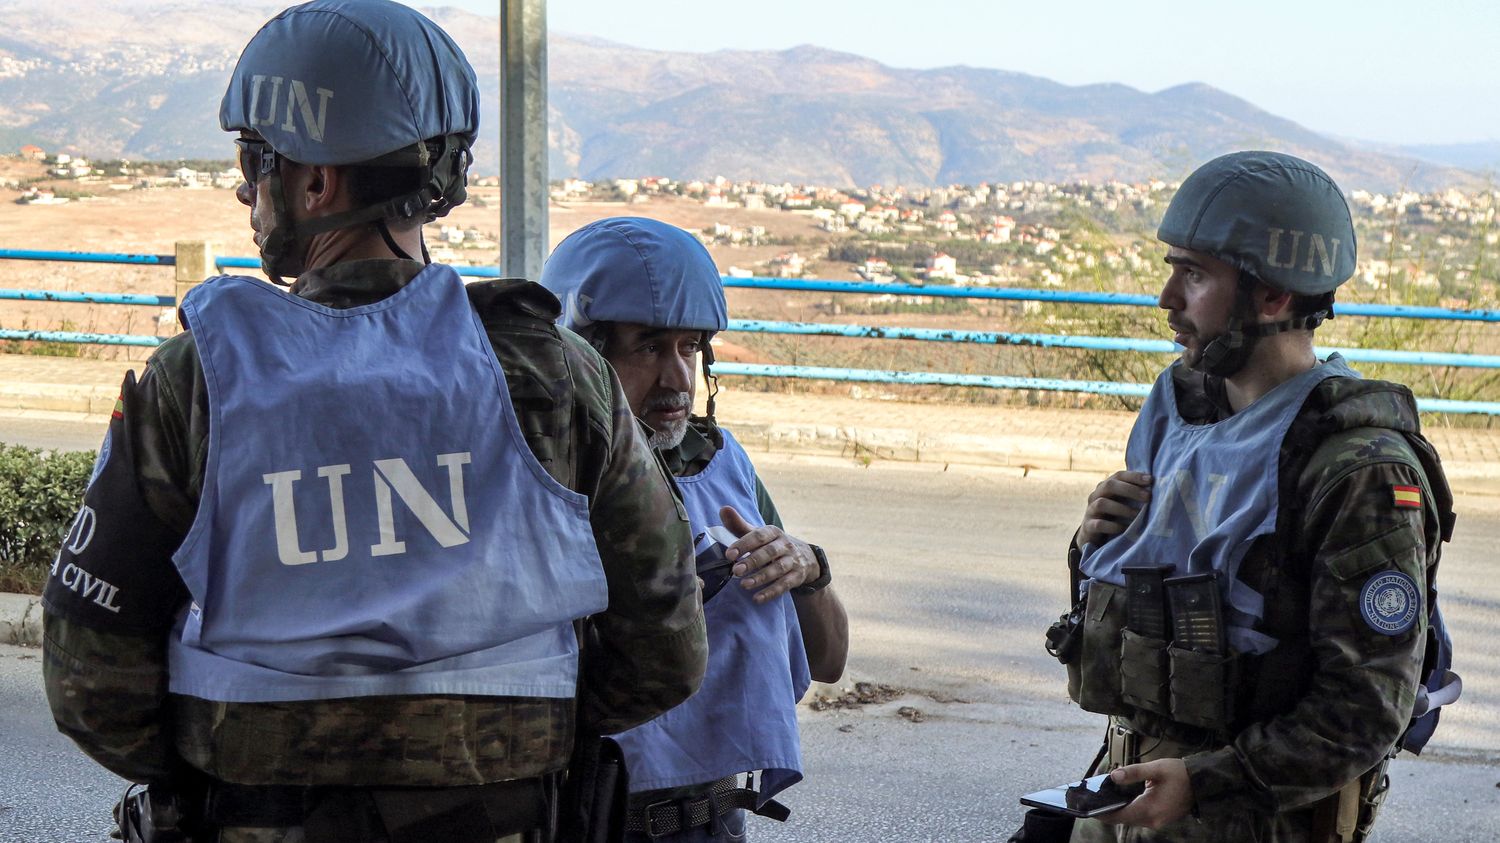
[
  {"x": 818, "y": 285},
  {"x": 1422, "y": 358},
  {"x": 1134, "y": 390},
  {"x": 825, "y": 329},
  {"x": 79, "y": 337},
  {"x": 88, "y": 257},
  {"x": 89, "y": 298}
]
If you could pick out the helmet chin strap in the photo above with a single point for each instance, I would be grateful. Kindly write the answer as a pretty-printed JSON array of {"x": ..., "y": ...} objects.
[
  {"x": 709, "y": 379},
  {"x": 280, "y": 240},
  {"x": 1226, "y": 354},
  {"x": 390, "y": 243}
]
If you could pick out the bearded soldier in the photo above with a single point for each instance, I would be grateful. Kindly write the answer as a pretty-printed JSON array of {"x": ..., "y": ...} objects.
[{"x": 1256, "y": 606}]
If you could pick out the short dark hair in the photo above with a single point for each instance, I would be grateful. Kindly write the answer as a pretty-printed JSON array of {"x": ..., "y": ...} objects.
[
  {"x": 371, "y": 185},
  {"x": 1302, "y": 304},
  {"x": 1306, "y": 305}
]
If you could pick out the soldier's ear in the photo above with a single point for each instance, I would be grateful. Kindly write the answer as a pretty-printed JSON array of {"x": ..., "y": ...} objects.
[
  {"x": 1270, "y": 303},
  {"x": 322, "y": 189}
]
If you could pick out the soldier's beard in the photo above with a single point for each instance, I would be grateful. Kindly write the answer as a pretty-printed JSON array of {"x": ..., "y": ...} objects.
[{"x": 668, "y": 434}]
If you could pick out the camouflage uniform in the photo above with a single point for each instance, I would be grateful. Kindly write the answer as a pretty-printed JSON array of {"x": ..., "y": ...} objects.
[
  {"x": 106, "y": 671},
  {"x": 1328, "y": 704}
]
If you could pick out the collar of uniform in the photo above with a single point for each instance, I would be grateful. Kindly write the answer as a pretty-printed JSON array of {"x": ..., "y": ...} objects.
[
  {"x": 355, "y": 283},
  {"x": 1201, "y": 397},
  {"x": 514, "y": 295},
  {"x": 696, "y": 449}
]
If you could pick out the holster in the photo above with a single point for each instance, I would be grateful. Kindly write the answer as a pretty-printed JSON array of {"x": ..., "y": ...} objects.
[
  {"x": 155, "y": 814},
  {"x": 596, "y": 786},
  {"x": 594, "y": 795}
]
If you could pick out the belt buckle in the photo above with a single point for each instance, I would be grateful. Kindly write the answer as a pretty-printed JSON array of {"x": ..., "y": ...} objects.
[{"x": 650, "y": 818}]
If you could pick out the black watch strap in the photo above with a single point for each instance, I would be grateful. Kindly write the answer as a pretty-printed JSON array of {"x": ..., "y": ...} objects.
[{"x": 825, "y": 575}]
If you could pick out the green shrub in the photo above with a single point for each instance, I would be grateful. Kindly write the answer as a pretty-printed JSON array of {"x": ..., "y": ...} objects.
[{"x": 40, "y": 492}]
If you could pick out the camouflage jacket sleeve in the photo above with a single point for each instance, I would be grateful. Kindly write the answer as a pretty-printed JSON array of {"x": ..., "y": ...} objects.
[
  {"x": 647, "y": 652},
  {"x": 112, "y": 598},
  {"x": 1353, "y": 538}
]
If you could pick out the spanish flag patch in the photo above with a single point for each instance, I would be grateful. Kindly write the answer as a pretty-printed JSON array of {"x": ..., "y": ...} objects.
[
  {"x": 119, "y": 412},
  {"x": 1409, "y": 497}
]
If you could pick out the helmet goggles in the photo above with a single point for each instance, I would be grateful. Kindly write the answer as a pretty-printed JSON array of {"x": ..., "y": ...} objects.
[{"x": 256, "y": 157}]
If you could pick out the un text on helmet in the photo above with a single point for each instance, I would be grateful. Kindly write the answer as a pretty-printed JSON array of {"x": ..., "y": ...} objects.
[
  {"x": 1317, "y": 250},
  {"x": 297, "y": 104}
]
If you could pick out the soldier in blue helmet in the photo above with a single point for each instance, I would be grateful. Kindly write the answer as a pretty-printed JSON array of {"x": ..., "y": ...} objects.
[
  {"x": 1256, "y": 610},
  {"x": 326, "y": 579},
  {"x": 649, "y": 297}
]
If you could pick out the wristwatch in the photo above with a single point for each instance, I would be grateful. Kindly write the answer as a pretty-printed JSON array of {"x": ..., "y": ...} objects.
[{"x": 825, "y": 575}]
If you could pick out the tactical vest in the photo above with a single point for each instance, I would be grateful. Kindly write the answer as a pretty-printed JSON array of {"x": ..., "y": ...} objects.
[
  {"x": 1193, "y": 698},
  {"x": 1214, "y": 493},
  {"x": 744, "y": 717},
  {"x": 372, "y": 521}
]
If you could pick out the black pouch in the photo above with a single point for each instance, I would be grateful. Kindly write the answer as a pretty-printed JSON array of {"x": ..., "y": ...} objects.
[
  {"x": 1094, "y": 679},
  {"x": 1144, "y": 672},
  {"x": 1202, "y": 688}
]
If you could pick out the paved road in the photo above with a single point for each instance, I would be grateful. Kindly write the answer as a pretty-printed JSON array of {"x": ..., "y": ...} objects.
[
  {"x": 949, "y": 577},
  {"x": 59, "y": 431}
]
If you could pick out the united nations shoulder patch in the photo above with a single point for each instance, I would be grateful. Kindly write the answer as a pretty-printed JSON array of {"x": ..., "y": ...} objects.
[{"x": 1390, "y": 603}]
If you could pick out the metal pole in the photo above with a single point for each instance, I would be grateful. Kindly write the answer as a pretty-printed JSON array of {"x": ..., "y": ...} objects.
[{"x": 523, "y": 137}]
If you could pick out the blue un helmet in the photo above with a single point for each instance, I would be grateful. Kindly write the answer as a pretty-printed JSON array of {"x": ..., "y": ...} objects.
[
  {"x": 354, "y": 82},
  {"x": 1277, "y": 219},
  {"x": 638, "y": 270}
]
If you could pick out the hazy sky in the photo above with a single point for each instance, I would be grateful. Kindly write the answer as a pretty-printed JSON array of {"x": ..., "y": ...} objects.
[{"x": 1398, "y": 72}]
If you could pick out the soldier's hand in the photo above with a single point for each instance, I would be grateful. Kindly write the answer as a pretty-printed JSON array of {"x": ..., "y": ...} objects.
[
  {"x": 1113, "y": 504},
  {"x": 1168, "y": 796},
  {"x": 769, "y": 561}
]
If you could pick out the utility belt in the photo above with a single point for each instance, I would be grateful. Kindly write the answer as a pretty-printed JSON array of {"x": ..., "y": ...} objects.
[
  {"x": 1347, "y": 816},
  {"x": 468, "y": 814},
  {"x": 1158, "y": 645},
  {"x": 670, "y": 816}
]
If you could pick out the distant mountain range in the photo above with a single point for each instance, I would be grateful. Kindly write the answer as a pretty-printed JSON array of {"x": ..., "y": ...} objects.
[{"x": 109, "y": 78}]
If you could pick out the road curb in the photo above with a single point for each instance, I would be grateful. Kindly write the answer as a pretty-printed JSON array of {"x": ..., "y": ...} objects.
[
  {"x": 58, "y": 398},
  {"x": 20, "y": 619},
  {"x": 908, "y": 445}
]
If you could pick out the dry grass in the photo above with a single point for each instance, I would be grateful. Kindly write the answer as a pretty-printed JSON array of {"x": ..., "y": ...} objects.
[{"x": 150, "y": 221}]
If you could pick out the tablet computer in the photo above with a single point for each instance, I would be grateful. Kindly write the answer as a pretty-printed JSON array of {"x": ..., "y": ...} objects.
[{"x": 1087, "y": 798}]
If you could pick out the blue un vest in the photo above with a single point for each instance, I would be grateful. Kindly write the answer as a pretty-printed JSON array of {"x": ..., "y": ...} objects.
[
  {"x": 744, "y": 717},
  {"x": 372, "y": 521},
  {"x": 1214, "y": 492}
]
